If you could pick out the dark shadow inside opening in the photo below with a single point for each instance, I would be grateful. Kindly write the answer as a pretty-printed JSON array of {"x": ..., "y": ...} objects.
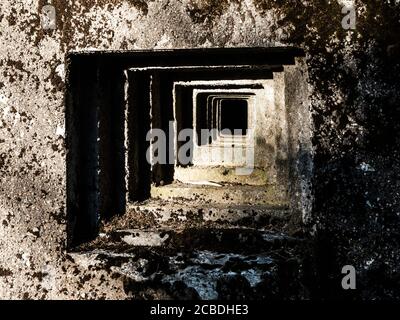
[{"x": 234, "y": 116}]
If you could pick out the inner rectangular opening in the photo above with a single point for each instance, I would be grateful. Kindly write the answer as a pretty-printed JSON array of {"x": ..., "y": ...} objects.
[{"x": 234, "y": 116}]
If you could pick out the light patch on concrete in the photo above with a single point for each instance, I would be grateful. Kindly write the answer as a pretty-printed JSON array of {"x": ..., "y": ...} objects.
[
  {"x": 144, "y": 238},
  {"x": 3, "y": 100},
  {"x": 130, "y": 270},
  {"x": 85, "y": 260},
  {"x": 252, "y": 276},
  {"x": 165, "y": 42},
  {"x": 60, "y": 70},
  {"x": 60, "y": 131},
  {"x": 195, "y": 277}
]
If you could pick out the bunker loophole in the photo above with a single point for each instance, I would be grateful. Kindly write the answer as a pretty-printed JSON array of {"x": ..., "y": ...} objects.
[
  {"x": 117, "y": 102},
  {"x": 234, "y": 115}
]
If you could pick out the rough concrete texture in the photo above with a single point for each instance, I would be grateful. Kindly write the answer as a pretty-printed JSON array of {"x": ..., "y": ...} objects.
[{"x": 355, "y": 90}]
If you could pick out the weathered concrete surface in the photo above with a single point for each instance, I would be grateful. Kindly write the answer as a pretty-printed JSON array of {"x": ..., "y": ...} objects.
[
  {"x": 354, "y": 81},
  {"x": 225, "y": 194},
  {"x": 181, "y": 211},
  {"x": 231, "y": 263}
]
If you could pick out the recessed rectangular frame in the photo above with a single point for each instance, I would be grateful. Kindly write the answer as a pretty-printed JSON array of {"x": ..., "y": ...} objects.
[{"x": 99, "y": 119}]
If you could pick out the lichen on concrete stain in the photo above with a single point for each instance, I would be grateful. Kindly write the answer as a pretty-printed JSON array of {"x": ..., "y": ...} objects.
[
  {"x": 5, "y": 272},
  {"x": 354, "y": 81},
  {"x": 201, "y": 11}
]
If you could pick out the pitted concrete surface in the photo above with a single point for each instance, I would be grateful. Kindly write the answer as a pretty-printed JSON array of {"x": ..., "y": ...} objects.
[{"x": 354, "y": 84}]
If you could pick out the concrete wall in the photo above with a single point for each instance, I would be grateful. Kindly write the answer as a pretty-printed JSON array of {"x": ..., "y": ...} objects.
[{"x": 354, "y": 82}]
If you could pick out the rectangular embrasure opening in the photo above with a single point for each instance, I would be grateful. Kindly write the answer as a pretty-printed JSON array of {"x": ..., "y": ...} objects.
[
  {"x": 116, "y": 101},
  {"x": 233, "y": 116}
]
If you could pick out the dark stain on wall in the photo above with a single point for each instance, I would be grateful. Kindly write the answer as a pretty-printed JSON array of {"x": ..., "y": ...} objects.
[
  {"x": 5, "y": 272},
  {"x": 356, "y": 123},
  {"x": 207, "y": 10}
]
